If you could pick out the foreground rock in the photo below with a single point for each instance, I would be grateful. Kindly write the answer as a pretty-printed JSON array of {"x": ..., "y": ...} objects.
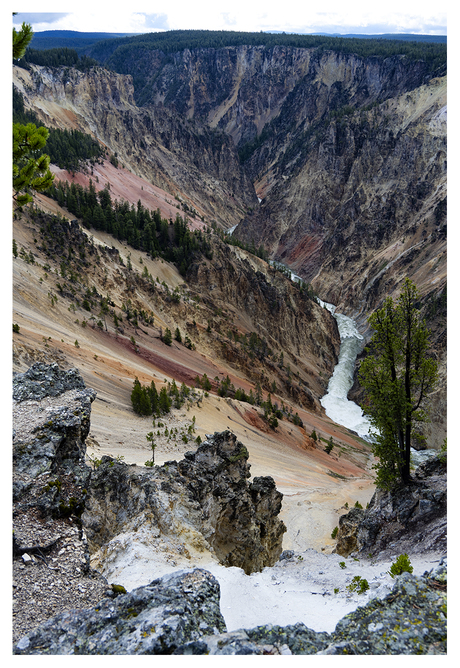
[
  {"x": 51, "y": 560},
  {"x": 204, "y": 502},
  {"x": 179, "y": 614},
  {"x": 155, "y": 619},
  {"x": 63, "y": 511},
  {"x": 411, "y": 518}
]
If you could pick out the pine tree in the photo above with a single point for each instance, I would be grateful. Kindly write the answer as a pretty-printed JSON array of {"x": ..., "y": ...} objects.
[
  {"x": 153, "y": 396},
  {"x": 167, "y": 337},
  {"x": 164, "y": 401},
  {"x": 397, "y": 376},
  {"x": 140, "y": 399},
  {"x": 30, "y": 170}
]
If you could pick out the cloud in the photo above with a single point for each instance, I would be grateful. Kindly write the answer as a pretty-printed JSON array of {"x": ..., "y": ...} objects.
[
  {"x": 43, "y": 17},
  {"x": 356, "y": 16},
  {"x": 156, "y": 21}
]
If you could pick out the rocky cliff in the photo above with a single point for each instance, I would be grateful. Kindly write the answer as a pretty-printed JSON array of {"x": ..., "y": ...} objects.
[
  {"x": 298, "y": 342},
  {"x": 187, "y": 159},
  {"x": 411, "y": 517},
  {"x": 357, "y": 201}
]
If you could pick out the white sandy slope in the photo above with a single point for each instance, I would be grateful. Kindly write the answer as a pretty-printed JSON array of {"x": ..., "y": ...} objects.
[{"x": 299, "y": 589}]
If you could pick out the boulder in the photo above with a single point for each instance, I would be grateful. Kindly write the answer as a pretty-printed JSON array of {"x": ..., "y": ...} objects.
[
  {"x": 156, "y": 619},
  {"x": 347, "y": 535},
  {"x": 204, "y": 501}
]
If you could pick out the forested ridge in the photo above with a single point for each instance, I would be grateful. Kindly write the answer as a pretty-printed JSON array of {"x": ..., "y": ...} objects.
[{"x": 124, "y": 54}]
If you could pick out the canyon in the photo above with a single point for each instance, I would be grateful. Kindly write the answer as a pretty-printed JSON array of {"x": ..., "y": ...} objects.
[{"x": 334, "y": 163}]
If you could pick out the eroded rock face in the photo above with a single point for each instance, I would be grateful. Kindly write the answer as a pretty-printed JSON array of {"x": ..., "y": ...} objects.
[
  {"x": 204, "y": 502},
  {"x": 412, "y": 517},
  {"x": 347, "y": 535}
]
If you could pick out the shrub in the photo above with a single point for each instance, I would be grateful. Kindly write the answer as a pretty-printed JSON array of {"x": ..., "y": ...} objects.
[
  {"x": 401, "y": 565},
  {"x": 358, "y": 584},
  {"x": 334, "y": 532},
  {"x": 358, "y": 505},
  {"x": 342, "y": 564},
  {"x": 15, "y": 328},
  {"x": 313, "y": 435}
]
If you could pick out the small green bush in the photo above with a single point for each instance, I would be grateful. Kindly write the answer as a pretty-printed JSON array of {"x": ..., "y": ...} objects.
[
  {"x": 358, "y": 505},
  {"x": 342, "y": 564},
  {"x": 15, "y": 328},
  {"x": 358, "y": 584},
  {"x": 401, "y": 565},
  {"x": 334, "y": 532}
]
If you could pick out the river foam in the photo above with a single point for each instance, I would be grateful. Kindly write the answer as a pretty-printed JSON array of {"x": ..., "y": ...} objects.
[{"x": 335, "y": 401}]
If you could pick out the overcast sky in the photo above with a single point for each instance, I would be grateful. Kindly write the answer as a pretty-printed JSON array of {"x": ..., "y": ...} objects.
[{"x": 299, "y": 16}]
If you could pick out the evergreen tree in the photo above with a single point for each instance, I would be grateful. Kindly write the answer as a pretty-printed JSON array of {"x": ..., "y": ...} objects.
[
  {"x": 153, "y": 396},
  {"x": 397, "y": 375},
  {"x": 30, "y": 170},
  {"x": 164, "y": 401},
  {"x": 140, "y": 399},
  {"x": 21, "y": 39}
]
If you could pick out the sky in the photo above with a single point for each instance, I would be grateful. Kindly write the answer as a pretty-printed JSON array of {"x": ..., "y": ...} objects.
[{"x": 335, "y": 16}]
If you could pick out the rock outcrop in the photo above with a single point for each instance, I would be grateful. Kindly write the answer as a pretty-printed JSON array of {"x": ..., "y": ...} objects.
[
  {"x": 179, "y": 614},
  {"x": 203, "y": 502},
  {"x": 63, "y": 510},
  {"x": 411, "y": 517},
  {"x": 156, "y": 619},
  {"x": 347, "y": 535}
]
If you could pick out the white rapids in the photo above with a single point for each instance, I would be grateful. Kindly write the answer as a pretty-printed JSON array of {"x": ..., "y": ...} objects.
[{"x": 335, "y": 401}]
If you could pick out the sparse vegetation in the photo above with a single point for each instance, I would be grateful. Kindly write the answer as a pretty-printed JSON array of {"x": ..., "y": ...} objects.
[
  {"x": 358, "y": 585},
  {"x": 401, "y": 565}
]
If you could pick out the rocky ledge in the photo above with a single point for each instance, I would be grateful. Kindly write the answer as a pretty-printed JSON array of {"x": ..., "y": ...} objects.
[
  {"x": 63, "y": 511},
  {"x": 411, "y": 517},
  {"x": 66, "y": 512},
  {"x": 180, "y": 614}
]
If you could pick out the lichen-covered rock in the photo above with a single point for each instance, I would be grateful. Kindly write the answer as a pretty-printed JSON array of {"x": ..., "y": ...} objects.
[
  {"x": 45, "y": 380},
  {"x": 412, "y": 619},
  {"x": 156, "y": 619},
  {"x": 204, "y": 501},
  {"x": 51, "y": 420},
  {"x": 179, "y": 614}
]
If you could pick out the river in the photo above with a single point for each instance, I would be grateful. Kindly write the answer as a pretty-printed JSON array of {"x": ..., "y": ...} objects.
[{"x": 335, "y": 401}]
